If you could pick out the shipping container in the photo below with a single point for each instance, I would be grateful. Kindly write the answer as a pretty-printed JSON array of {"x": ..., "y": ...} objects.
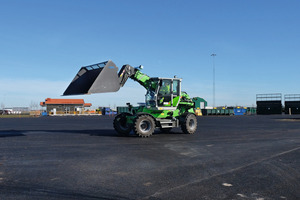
[
  {"x": 217, "y": 111},
  {"x": 239, "y": 111}
]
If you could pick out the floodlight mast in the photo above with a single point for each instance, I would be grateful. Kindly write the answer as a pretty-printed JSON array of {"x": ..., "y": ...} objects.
[{"x": 214, "y": 85}]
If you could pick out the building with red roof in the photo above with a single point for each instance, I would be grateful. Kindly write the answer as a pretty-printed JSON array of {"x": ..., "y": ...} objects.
[{"x": 64, "y": 106}]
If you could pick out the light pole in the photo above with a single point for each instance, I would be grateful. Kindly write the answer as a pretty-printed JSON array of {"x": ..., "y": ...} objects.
[{"x": 214, "y": 85}]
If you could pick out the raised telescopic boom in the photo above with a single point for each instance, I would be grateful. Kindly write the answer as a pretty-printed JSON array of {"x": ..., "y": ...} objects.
[
  {"x": 104, "y": 77},
  {"x": 166, "y": 106}
]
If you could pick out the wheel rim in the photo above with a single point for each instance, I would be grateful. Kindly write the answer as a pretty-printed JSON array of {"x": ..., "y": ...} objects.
[
  {"x": 192, "y": 123},
  {"x": 145, "y": 126},
  {"x": 123, "y": 124}
]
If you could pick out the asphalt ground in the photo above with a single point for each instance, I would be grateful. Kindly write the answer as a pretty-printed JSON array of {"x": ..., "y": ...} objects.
[{"x": 232, "y": 157}]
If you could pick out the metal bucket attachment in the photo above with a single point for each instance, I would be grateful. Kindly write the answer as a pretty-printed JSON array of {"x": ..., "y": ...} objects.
[{"x": 97, "y": 78}]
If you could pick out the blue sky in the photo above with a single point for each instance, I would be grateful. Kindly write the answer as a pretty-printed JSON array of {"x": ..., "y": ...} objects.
[{"x": 44, "y": 43}]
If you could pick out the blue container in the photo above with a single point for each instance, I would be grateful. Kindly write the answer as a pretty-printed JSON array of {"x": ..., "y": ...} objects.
[
  {"x": 239, "y": 111},
  {"x": 44, "y": 114},
  {"x": 111, "y": 113}
]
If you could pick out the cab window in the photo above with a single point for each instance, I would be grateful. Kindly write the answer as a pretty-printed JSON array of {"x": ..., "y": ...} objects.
[{"x": 176, "y": 87}]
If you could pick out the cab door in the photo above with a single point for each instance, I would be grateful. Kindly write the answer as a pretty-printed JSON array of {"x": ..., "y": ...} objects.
[
  {"x": 175, "y": 92},
  {"x": 164, "y": 93}
]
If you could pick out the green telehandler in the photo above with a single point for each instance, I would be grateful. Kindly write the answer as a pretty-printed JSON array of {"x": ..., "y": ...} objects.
[{"x": 166, "y": 105}]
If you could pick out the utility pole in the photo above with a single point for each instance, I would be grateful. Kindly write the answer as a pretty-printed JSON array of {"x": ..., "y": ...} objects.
[{"x": 214, "y": 85}]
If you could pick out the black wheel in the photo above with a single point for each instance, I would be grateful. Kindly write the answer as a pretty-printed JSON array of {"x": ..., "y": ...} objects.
[
  {"x": 121, "y": 125},
  {"x": 189, "y": 123},
  {"x": 144, "y": 125}
]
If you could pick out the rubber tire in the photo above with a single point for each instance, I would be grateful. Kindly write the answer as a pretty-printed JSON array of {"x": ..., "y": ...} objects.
[
  {"x": 189, "y": 123},
  {"x": 120, "y": 125},
  {"x": 144, "y": 125}
]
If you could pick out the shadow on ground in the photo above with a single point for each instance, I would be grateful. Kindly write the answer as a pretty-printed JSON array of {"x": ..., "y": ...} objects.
[
  {"x": 11, "y": 133},
  {"x": 91, "y": 132}
]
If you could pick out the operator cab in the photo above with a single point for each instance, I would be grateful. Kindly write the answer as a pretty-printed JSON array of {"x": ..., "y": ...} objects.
[{"x": 164, "y": 93}]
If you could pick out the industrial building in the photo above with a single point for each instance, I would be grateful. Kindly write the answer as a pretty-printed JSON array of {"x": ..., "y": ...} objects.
[
  {"x": 272, "y": 104},
  {"x": 269, "y": 104},
  {"x": 64, "y": 106},
  {"x": 292, "y": 104},
  {"x": 200, "y": 103}
]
